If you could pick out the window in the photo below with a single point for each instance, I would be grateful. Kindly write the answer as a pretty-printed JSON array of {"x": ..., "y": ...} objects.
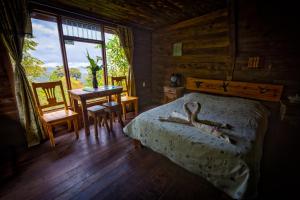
[
  {"x": 42, "y": 60},
  {"x": 78, "y": 29},
  {"x": 117, "y": 64},
  {"x": 76, "y": 53},
  {"x": 82, "y": 38},
  {"x": 59, "y": 47}
]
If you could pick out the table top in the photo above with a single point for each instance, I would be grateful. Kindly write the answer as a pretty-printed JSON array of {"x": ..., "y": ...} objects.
[{"x": 100, "y": 90}]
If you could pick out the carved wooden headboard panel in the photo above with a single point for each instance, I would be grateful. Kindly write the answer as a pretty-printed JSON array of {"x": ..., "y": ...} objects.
[{"x": 260, "y": 91}]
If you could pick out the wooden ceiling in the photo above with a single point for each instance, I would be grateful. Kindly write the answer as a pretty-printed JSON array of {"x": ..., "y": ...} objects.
[{"x": 150, "y": 14}]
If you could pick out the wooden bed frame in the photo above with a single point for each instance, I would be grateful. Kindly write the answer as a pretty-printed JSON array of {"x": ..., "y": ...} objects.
[{"x": 259, "y": 91}]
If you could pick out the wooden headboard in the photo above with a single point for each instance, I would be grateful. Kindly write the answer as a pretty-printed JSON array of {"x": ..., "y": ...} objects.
[{"x": 260, "y": 91}]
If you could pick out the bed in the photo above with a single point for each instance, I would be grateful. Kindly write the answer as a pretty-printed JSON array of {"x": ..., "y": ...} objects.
[{"x": 233, "y": 168}]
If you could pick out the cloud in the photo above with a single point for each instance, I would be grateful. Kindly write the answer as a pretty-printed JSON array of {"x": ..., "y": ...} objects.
[
  {"x": 71, "y": 64},
  {"x": 50, "y": 46},
  {"x": 48, "y": 49},
  {"x": 36, "y": 27},
  {"x": 52, "y": 64},
  {"x": 78, "y": 64}
]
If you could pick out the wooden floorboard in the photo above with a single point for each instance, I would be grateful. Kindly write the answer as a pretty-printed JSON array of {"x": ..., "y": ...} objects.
[{"x": 103, "y": 167}]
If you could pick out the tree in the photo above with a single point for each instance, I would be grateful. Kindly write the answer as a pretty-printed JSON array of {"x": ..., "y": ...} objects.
[
  {"x": 75, "y": 73},
  {"x": 59, "y": 72},
  {"x": 56, "y": 74},
  {"x": 33, "y": 66},
  {"x": 117, "y": 64}
]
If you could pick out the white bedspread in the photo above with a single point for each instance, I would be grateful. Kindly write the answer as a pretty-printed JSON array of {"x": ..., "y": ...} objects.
[{"x": 233, "y": 168}]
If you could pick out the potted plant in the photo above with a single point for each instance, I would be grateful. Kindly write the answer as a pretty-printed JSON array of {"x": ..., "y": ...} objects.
[{"x": 94, "y": 67}]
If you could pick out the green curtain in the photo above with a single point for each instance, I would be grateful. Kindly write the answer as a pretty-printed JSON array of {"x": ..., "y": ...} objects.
[
  {"x": 126, "y": 39},
  {"x": 13, "y": 22}
]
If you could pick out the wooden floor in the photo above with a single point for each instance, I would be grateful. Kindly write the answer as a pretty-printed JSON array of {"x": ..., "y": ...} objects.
[{"x": 107, "y": 167}]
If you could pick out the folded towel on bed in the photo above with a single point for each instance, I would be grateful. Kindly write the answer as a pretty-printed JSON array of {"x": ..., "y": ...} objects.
[{"x": 205, "y": 126}]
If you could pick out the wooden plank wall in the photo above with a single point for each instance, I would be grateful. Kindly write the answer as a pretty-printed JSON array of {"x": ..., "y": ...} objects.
[
  {"x": 207, "y": 47},
  {"x": 205, "y": 50},
  {"x": 142, "y": 65},
  {"x": 265, "y": 29},
  {"x": 268, "y": 30},
  {"x": 8, "y": 106}
]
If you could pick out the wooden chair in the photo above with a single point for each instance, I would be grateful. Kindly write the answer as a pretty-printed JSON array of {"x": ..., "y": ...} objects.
[
  {"x": 54, "y": 115},
  {"x": 99, "y": 115},
  {"x": 126, "y": 100}
]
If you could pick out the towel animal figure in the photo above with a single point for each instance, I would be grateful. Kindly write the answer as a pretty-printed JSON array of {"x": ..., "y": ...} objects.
[{"x": 205, "y": 126}]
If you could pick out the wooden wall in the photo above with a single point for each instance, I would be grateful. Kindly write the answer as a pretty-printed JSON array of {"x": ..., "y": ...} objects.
[
  {"x": 205, "y": 50},
  {"x": 265, "y": 29},
  {"x": 8, "y": 106},
  {"x": 270, "y": 32},
  {"x": 142, "y": 65},
  {"x": 261, "y": 29}
]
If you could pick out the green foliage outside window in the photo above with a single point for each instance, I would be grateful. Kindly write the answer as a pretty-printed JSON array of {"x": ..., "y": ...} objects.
[
  {"x": 59, "y": 72},
  {"x": 33, "y": 66},
  {"x": 117, "y": 64}
]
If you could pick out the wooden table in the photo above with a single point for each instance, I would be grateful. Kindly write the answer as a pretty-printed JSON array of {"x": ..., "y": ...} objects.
[{"x": 83, "y": 95}]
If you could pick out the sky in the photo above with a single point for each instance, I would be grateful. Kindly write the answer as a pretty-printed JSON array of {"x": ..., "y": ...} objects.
[{"x": 45, "y": 33}]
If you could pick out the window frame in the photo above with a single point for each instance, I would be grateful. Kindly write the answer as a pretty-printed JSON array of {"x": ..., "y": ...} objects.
[{"x": 47, "y": 16}]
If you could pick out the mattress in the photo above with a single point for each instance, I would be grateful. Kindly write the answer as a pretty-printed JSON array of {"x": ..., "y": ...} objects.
[{"x": 233, "y": 168}]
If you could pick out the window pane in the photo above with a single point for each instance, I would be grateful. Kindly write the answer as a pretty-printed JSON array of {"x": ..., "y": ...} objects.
[
  {"x": 81, "y": 29},
  {"x": 78, "y": 63},
  {"x": 42, "y": 58},
  {"x": 117, "y": 64}
]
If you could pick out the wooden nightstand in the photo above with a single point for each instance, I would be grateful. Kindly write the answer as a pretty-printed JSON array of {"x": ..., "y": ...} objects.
[
  {"x": 172, "y": 93},
  {"x": 290, "y": 113}
]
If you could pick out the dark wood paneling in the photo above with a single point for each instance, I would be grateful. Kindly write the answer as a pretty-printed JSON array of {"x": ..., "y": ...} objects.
[
  {"x": 142, "y": 65},
  {"x": 149, "y": 14},
  {"x": 265, "y": 29},
  {"x": 261, "y": 32},
  {"x": 205, "y": 50},
  {"x": 211, "y": 47}
]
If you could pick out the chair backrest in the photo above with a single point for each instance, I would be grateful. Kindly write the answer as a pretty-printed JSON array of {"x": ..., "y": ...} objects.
[
  {"x": 49, "y": 91},
  {"x": 119, "y": 81}
]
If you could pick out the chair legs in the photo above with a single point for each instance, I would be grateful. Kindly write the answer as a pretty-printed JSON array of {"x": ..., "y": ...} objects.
[
  {"x": 45, "y": 128},
  {"x": 51, "y": 137},
  {"x": 124, "y": 111},
  {"x": 96, "y": 125},
  {"x": 136, "y": 107},
  {"x": 111, "y": 120},
  {"x": 69, "y": 125},
  {"x": 49, "y": 130},
  {"x": 105, "y": 123},
  {"x": 120, "y": 119},
  {"x": 100, "y": 120},
  {"x": 75, "y": 121}
]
